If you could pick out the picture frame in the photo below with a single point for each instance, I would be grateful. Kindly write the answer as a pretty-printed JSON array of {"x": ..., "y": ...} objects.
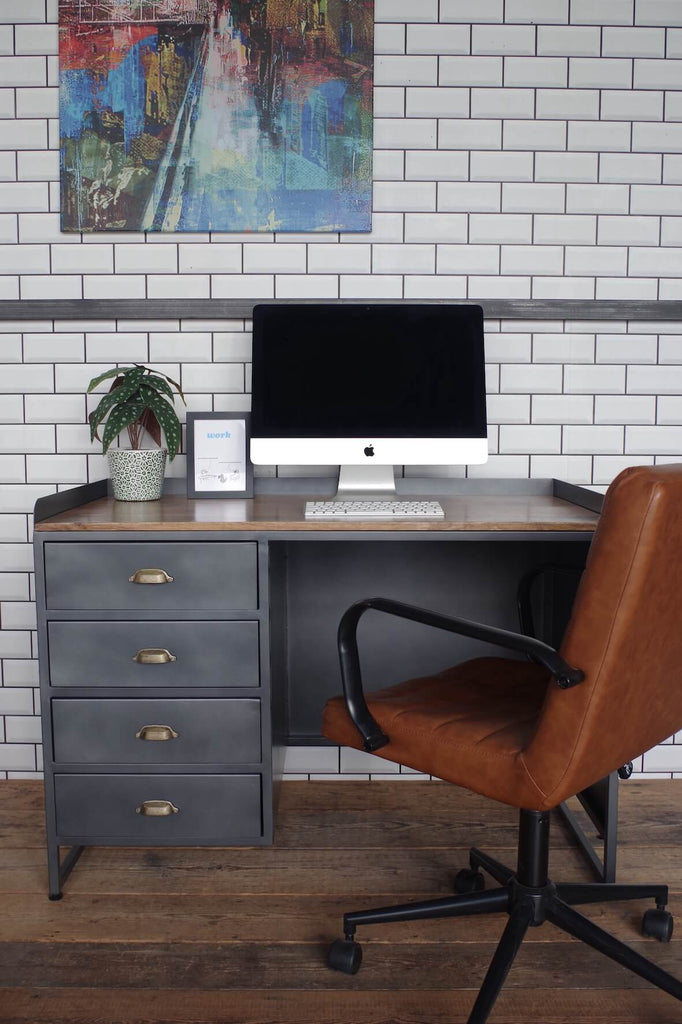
[{"x": 218, "y": 463}]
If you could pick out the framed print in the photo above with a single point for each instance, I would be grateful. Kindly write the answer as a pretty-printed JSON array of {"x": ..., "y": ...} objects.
[{"x": 218, "y": 464}]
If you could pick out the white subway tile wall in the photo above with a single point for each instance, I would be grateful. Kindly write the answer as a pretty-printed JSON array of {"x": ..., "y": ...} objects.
[{"x": 534, "y": 152}]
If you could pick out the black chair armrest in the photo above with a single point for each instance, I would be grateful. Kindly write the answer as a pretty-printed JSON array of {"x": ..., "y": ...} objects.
[
  {"x": 373, "y": 737},
  {"x": 523, "y": 602}
]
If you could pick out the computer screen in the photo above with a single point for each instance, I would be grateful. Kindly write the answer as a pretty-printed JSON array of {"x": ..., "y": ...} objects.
[{"x": 354, "y": 383}]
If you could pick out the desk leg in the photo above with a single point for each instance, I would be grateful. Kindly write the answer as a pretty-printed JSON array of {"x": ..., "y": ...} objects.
[{"x": 600, "y": 801}]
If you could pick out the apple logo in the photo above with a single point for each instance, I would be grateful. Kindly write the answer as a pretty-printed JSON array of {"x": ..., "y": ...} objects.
[{"x": 369, "y": 450}]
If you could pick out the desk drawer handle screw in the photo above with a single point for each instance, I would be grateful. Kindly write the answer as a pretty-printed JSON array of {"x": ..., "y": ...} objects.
[
  {"x": 157, "y": 809},
  {"x": 156, "y": 733},
  {"x": 154, "y": 656},
  {"x": 150, "y": 576}
]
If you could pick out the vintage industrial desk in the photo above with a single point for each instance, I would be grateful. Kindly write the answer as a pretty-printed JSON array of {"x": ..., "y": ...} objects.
[{"x": 184, "y": 643}]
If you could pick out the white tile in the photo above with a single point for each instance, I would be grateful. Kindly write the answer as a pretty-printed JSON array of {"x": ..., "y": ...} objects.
[
  {"x": 657, "y": 138},
  {"x": 502, "y": 166},
  {"x": 389, "y": 38},
  {"x": 24, "y": 134},
  {"x": 306, "y": 286},
  {"x": 22, "y": 729},
  {"x": 442, "y": 287},
  {"x": 627, "y": 288},
  {"x": 24, "y": 259},
  {"x": 674, "y": 42},
  {"x": 62, "y": 469},
  {"x": 577, "y": 469},
  {"x": 23, "y": 196},
  {"x": 655, "y": 380},
  {"x": 389, "y": 165},
  {"x": 630, "y": 167},
  {"x": 243, "y": 286},
  {"x": 671, "y": 231},
  {"x": 352, "y": 760},
  {"x": 8, "y": 228},
  {"x": 404, "y": 10},
  {"x": 467, "y": 135},
  {"x": 470, "y": 71},
  {"x": 533, "y": 379},
  {"x": 502, "y": 103},
  {"x": 461, "y": 10},
  {"x": 532, "y": 197},
  {"x": 17, "y": 756},
  {"x": 629, "y": 105},
  {"x": 340, "y": 259},
  {"x": 18, "y": 557},
  {"x": 606, "y": 12},
  {"x": 654, "y": 262},
  {"x": 633, "y": 42},
  {"x": 439, "y": 102},
  {"x": 531, "y": 439},
  {"x": 532, "y": 259},
  {"x": 562, "y": 409},
  {"x": 80, "y": 259},
  {"x": 602, "y": 379},
  {"x": 600, "y": 136},
  {"x": 506, "y": 227},
  {"x": 11, "y": 409},
  {"x": 656, "y": 199},
  {"x": 412, "y": 133},
  {"x": 46, "y": 348},
  {"x": 626, "y": 348},
  {"x": 6, "y": 40},
  {"x": 188, "y": 346},
  {"x": 567, "y": 103},
  {"x": 406, "y": 70},
  {"x": 567, "y": 167},
  {"x": 443, "y": 165},
  {"x": 500, "y": 466},
  {"x": 534, "y": 135},
  {"x": 179, "y": 286},
  {"x": 469, "y": 196},
  {"x": 403, "y": 196},
  {"x": 503, "y": 39},
  {"x": 10, "y": 348},
  {"x": 121, "y": 348},
  {"x": 54, "y": 408},
  {"x": 560, "y": 40},
  {"x": 145, "y": 259},
  {"x": 15, "y": 71},
  {"x": 435, "y": 227},
  {"x": 541, "y": 11},
  {"x": 34, "y": 102},
  {"x": 625, "y": 409},
  {"x": 438, "y": 39},
  {"x": 386, "y": 227},
  {"x": 33, "y": 166},
  {"x": 563, "y": 348},
  {"x": 372, "y": 286},
  {"x": 657, "y": 74},
  {"x": 565, "y": 229},
  {"x": 120, "y": 286},
  {"x": 592, "y": 440},
  {"x": 508, "y": 408},
  {"x": 598, "y": 198},
  {"x": 35, "y": 39},
  {"x": 15, "y": 701},
  {"x": 26, "y": 378},
  {"x": 311, "y": 759},
  {"x": 536, "y": 72},
  {"x": 588, "y": 260},
  {"x": 210, "y": 377},
  {"x": 231, "y": 347},
  {"x": 508, "y": 348},
  {"x": 468, "y": 259},
  {"x": 597, "y": 73},
  {"x": 508, "y": 287},
  {"x": 670, "y": 348},
  {"x": 669, "y": 408},
  {"x": 44, "y": 227},
  {"x": 658, "y": 440},
  {"x": 12, "y": 470},
  {"x": 402, "y": 259},
  {"x": 389, "y": 102}
]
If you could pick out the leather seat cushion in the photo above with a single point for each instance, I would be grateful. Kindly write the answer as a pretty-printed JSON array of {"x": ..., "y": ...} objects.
[{"x": 468, "y": 725}]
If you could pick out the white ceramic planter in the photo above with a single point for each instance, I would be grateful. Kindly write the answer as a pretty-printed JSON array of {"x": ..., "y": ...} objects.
[{"x": 137, "y": 475}]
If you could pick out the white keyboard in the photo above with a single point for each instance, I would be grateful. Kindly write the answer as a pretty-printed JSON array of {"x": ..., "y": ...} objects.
[{"x": 373, "y": 510}]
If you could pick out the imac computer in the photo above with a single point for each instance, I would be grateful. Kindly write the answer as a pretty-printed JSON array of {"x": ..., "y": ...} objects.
[{"x": 368, "y": 387}]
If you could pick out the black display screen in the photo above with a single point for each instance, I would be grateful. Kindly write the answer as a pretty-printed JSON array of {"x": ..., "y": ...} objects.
[{"x": 355, "y": 370}]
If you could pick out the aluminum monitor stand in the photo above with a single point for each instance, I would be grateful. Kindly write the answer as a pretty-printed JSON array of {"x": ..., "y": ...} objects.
[{"x": 366, "y": 483}]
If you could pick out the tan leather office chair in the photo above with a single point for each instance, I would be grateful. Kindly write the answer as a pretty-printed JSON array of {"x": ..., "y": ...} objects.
[{"x": 533, "y": 734}]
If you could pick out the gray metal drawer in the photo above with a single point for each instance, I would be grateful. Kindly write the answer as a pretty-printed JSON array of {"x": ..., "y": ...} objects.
[
  {"x": 97, "y": 575},
  {"x": 210, "y": 808},
  {"x": 102, "y": 653},
  {"x": 154, "y": 732}
]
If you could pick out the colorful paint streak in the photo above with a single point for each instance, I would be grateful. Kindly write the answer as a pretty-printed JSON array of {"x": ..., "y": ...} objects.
[{"x": 216, "y": 115}]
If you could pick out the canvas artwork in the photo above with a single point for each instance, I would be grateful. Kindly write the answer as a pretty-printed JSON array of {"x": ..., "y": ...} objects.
[{"x": 216, "y": 115}]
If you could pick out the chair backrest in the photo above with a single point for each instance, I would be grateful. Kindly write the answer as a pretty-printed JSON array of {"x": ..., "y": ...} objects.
[{"x": 625, "y": 633}]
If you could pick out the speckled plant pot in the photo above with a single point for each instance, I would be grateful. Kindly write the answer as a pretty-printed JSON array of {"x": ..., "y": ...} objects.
[{"x": 137, "y": 475}]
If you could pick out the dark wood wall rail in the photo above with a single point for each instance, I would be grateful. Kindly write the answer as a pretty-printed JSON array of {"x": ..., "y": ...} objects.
[{"x": 235, "y": 309}]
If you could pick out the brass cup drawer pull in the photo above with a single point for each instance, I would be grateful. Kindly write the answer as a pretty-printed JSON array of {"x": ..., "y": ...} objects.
[
  {"x": 150, "y": 576},
  {"x": 154, "y": 656},
  {"x": 156, "y": 733},
  {"x": 157, "y": 809}
]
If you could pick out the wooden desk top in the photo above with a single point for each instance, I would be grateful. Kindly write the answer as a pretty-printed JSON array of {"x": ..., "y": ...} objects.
[{"x": 284, "y": 513}]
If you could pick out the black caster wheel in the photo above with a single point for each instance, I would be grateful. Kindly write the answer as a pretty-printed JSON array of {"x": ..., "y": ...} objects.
[
  {"x": 469, "y": 880},
  {"x": 345, "y": 955},
  {"x": 658, "y": 924},
  {"x": 626, "y": 771}
]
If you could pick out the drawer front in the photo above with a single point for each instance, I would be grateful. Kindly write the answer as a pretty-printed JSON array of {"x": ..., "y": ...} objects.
[
  {"x": 220, "y": 575},
  {"x": 210, "y": 808},
  {"x": 103, "y": 653},
  {"x": 197, "y": 731}
]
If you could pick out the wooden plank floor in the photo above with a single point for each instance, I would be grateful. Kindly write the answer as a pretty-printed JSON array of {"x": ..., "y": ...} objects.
[{"x": 238, "y": 936}]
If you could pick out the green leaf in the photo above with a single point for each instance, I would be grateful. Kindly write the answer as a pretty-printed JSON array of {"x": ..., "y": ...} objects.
[
  {"x": 173, "y": 382},
  {"x": 119, "y": 419},
  {"x": 159, "y": 385},
  {"x": 167, "y": 417},
  {"x": 110, "y": 373},
  {"x": 117, "y": 396}
]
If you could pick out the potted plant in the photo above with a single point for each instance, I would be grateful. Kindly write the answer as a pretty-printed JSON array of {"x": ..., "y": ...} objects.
[{"x": 137, "y": 401}]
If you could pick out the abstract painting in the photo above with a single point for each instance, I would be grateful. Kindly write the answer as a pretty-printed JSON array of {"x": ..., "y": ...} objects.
[{"x": 216, "y": 115}]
